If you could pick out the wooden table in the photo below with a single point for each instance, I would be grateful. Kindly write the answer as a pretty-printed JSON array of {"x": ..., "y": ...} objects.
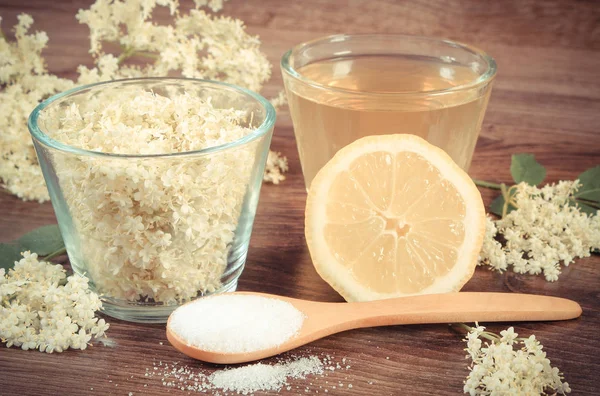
[{"x": 546, "y": 101}]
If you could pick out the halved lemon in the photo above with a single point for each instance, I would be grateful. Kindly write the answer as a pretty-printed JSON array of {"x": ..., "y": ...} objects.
[{"x": 391, "y": 216}]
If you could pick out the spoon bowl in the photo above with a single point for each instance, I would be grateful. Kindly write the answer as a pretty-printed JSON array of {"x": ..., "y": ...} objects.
[{"x": 323, "y": 319}]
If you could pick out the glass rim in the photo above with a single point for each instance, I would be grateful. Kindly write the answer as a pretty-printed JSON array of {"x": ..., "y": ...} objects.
[
  {"x": 42, "y": 137},
  {"x": 483, "y": 79}
]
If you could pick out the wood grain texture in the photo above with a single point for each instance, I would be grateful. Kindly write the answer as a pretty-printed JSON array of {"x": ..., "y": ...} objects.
[{"x": 546, "y": 100}]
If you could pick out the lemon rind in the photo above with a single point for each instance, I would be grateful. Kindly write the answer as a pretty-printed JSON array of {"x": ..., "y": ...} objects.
[{"x": 338, "y": 276}]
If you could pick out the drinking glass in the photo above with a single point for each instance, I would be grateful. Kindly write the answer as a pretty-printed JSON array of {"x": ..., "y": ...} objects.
[{"x": 344, "y": 87}]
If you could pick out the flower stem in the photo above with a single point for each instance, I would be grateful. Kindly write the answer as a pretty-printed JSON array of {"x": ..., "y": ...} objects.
[
  {"x": 56, "y": 253},
  {"x": 489, "y": 336},
  {"x": 130, "y": 52},
  {"x": 486, "y": 334},
  {"x": 593, "y": 190},
  {"x": 506, "y": 196},
  {"x": 486, "y": 184},
  {"x": 127, "y": 52},
  {"x": 464, "y": 326},
  {"x": 146, "y": 54},
  {"x": 593, "y": 204}
]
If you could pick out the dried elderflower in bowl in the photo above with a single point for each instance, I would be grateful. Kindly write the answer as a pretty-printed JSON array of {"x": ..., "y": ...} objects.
[{"x": 155, "y": 183}]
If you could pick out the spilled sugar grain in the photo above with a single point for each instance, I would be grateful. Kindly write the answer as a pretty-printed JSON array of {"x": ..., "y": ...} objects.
[
  {"x": 261, "y": 376},
  {"x": 246, "y": 380}
]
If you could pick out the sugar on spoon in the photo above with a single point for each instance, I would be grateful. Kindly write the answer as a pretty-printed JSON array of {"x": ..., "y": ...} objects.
[{"x": 241, "y": 327}]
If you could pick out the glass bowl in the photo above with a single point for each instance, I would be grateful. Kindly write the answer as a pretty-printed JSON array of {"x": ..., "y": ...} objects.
[{"x": 153, "y": 231}]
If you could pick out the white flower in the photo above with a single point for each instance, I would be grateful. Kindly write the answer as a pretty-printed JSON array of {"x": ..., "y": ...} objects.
[
  {"x": 80, "y": 339},
  {"x": 275, "y": 167},
  {"x": 279, "y": 101},
  {"x": 159, "y": 229},
  {"x": 541, "y": 233},
  {"x": 500, "y": 369},
  {"x": 196, "y": 44},
  {"x": 508, "y": 336},
  {"x": 42, "y": 314},
  {"x": 24, "y": 82}
]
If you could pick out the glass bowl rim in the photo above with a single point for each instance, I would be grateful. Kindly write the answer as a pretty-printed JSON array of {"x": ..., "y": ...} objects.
[
  {"x": 483, "y": 79},
  {"x": 42, "y": 137}
]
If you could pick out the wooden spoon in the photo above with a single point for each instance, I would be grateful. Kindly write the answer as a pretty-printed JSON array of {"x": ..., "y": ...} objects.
[{"x": 323, "y": 319}]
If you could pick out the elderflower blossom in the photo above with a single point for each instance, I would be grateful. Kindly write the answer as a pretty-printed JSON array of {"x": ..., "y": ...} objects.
[
  {"x": 541, "y": 233},
  {"x": 275, "y": 167},
  {"x": 153, "y": 229},
  {"x": 40, "y": 308},
  {"x": 279, "y": 101},
  {"x": 510, "y": 366},
  {"x": 195, "y": 45},
  {"x": 24, "y": 82},
  {"x": 276, "y": 164}
]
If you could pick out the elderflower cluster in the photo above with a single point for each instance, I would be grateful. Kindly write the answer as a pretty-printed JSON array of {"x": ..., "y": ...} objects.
[
  {"x": 195, "y": 45},
  {"x": 276, "y": 164},
  {"x": 154, "y": 229},
  {"x": 275, "y": 167},
  {"x": 509, "y": 365},
  {"x": 24, "y": 82},
  {"x": 542, "y": 232},
  {"x": 42, "y": 309}
]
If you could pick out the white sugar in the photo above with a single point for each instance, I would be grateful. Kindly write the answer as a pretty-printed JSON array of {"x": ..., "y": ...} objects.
[
  {"x": 235, "y": 323},
  {"x": 286, "y": 373},
  {"x": 260, "y": 376}
]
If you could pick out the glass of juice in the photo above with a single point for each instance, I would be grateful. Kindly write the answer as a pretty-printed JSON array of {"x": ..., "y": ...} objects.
[{"x": 343, "y": 87}]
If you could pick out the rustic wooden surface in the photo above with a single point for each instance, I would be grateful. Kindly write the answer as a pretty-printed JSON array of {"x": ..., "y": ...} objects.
[{"x": 546, "y": 100}]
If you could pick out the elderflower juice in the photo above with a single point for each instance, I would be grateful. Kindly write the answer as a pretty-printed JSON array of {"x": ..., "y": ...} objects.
[{"x": 342, "y": 88}]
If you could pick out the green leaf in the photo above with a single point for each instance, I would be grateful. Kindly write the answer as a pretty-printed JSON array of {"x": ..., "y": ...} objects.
[
  {"x": 43, "y": 240},
  {"x": 590, "y": 189},
  {"x": 586, "y": 208},
  {"x": 524, "y": 168},
  {"x": 498, "y": 204},
  {"x": 583, "y": 207},
  {"x": 9, "y": 253}
]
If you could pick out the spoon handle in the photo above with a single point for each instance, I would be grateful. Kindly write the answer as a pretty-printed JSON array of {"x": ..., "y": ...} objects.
[{"x": 456, "y": 307}]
